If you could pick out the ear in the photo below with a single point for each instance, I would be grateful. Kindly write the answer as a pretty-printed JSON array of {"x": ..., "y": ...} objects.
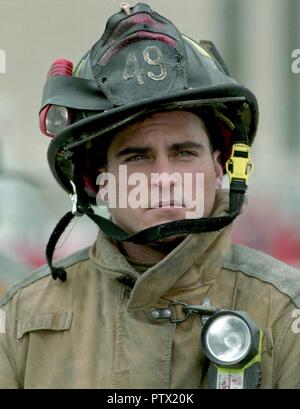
[{"x": 218, "y": 168}]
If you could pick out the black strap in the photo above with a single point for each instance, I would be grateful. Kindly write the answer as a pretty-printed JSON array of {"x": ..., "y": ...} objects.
[
  {"x": 152, "y": 234},
  {"x": 149, "y": 235},
  {"x": 57, "y": 272}
]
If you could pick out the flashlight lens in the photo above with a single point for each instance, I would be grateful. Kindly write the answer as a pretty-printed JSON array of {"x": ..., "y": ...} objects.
[
  {"x": 57, "y": 119},
  {"x": 228, "y": 339}
]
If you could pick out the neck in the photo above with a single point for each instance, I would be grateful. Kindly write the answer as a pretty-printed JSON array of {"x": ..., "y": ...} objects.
[{"x": 152, "y": 254}]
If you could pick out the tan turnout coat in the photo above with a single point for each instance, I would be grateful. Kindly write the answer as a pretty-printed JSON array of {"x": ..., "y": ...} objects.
[{"x": 95, "y": 331}]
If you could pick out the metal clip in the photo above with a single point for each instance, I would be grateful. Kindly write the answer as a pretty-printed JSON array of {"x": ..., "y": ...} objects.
[
  {"x": 205, "y": 310},
  {"x": 185, "y": 309},
  {"x": 239, "y": 165},
  {"x": 74, "y": 199},
  {"x": 168, "y": 313},
  {"x": 210, "y": 310},
  {"x": 161, "y": 314},
  {"x": 126, "y": 8},
  {"x": 201, "y": 309}
]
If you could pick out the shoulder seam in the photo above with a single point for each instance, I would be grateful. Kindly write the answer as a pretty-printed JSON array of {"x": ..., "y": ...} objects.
[
  {"x": 43, "y": 271},
  {"x": 279, "y": 274}
]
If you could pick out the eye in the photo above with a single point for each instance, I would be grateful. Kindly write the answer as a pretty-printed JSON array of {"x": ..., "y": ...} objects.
[
  {"x": 186, "y": 154},
  {"x": 135, "y": 158}
]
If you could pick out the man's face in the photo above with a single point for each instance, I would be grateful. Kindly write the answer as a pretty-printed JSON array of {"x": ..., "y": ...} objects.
[{"x": 165, "y": 144}]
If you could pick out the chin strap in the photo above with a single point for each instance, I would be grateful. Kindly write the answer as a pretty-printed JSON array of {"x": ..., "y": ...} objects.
[
  {"x": 238, "y": 167},
  {"x": 57, "y": 272}
]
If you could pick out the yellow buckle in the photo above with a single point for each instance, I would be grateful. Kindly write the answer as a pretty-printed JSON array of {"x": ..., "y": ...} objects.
[{"x": 239, "y": 165}]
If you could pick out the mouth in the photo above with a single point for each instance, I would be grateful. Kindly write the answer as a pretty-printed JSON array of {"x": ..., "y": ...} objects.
[{"x": 167, "y": 205}]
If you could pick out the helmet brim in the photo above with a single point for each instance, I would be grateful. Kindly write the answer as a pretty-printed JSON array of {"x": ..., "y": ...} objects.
[{"x": 232, "y": 96}]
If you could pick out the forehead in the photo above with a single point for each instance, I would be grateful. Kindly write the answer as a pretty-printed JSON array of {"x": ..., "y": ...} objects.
[{"x": 170, "y": 127}]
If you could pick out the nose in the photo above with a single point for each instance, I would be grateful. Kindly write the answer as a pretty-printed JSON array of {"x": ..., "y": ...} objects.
[
  {"x": 162, "y": 173},
  {"x": 163, "y": 180}
]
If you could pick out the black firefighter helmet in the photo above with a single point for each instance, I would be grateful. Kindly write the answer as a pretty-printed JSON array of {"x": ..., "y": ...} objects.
[{"x": 141, "y": 64}]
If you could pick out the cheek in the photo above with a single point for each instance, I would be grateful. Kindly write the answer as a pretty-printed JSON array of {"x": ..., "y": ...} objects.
[
  {"x": 210, "y": 172},
  {"x": 207, "y": 169},
  {"x": 124, "y": 217}
]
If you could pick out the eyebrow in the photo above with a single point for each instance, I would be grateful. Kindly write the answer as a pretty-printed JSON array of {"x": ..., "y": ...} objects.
[
  {"x": 186, "y": 145},
  {"x": 173, "y": 147},
  {"x": 133, "y": 149}
]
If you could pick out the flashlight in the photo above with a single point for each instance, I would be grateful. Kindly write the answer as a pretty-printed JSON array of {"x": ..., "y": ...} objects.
[
  {"x": 54, "y": 118},
  {"x": 233, "y": 344}
]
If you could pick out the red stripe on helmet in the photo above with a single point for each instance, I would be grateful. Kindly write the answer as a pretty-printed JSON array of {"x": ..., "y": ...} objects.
[
  {"x": 142, "y": 18},
  {"x": 140, "y": 35},
  {"x": 61, "y": 67}
]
